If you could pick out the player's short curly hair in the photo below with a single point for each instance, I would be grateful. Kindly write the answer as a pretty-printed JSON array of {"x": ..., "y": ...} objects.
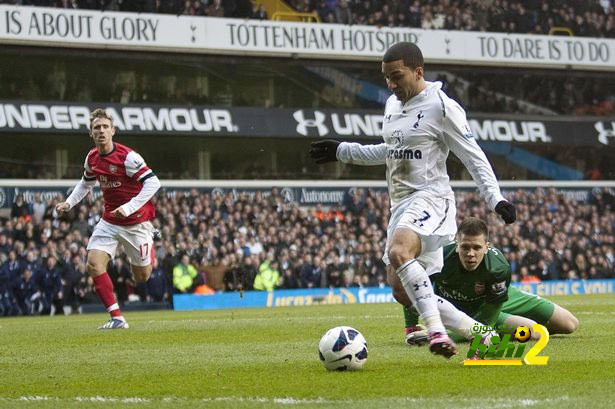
[
  {"x": 100, "y": 113},
  {"x": 410, "y": 53},
  {"x": 473, "y": 226}
]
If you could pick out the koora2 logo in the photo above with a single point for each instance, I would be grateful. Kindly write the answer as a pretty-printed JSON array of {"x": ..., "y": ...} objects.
[{"x": 502, "y": 348}]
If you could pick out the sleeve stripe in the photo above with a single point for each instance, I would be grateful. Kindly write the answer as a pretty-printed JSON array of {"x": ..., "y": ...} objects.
[
  {"x": 141, "y": 172},
  {"x": 442, "y": 104},
  {"x": 147, "y": 176}
]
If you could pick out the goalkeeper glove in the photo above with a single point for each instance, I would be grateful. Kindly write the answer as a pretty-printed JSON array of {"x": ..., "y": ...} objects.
[
  {"x": 507, "y": 211},
  {"x": 324, "y": 151}
]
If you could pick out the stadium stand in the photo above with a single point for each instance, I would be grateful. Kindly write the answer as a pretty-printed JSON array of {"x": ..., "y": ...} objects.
[
  {"x": 478, "y": 90},
  {"x": 229, "y": 240}
]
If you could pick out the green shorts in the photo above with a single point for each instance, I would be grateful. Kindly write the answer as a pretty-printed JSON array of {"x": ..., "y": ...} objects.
[{"x": 526, "y": 305}]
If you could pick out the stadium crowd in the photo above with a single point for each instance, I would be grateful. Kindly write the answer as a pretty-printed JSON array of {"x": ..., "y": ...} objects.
[
  {"x": 589, "y": 18},
  {"x": 222, "y": 242}
]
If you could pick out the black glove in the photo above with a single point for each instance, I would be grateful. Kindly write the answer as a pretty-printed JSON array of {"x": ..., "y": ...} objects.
[
  {"x": 507, "y": 211},
  {"x": 324, "y": 151}
]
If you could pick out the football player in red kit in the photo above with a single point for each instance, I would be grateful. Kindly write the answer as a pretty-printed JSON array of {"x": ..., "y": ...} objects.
[{"x": 127, "y": 185}]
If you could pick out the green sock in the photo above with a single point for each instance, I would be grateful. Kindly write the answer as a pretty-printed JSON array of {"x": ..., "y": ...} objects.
[{"x": 410, "y": 317}]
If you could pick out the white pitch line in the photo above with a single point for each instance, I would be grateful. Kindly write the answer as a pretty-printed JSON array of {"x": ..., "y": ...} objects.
[{"x": 465, "y": 403}]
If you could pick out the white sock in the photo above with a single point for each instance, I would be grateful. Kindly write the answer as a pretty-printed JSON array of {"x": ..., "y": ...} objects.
[
  {"x": 418, "y": 287},
  {"x": 454, "y": 319},
  {"x": 458, "y": 321}
]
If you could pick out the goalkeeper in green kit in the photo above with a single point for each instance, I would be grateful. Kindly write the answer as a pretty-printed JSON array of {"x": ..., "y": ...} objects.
[{"x": 476, "y": 279}]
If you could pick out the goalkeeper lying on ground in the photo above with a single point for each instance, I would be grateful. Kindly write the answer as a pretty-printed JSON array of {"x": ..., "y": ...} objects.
[{"x": 475, "y": 278}]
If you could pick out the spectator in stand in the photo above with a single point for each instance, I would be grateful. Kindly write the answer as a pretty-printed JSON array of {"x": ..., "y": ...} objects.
[
  {"x": 38, "y": 208},
  {"x": 343, "y": 14},
  {"x": 12, "y": 267},
  {"x": 184, "y": 276},
  {"x": 20, "y": 208},
  {"x": 49, "y": 280},
  {"x": 258, "y": 12},
  {"x": 158, "y": 288},
  {"x": 27, "y": 293},
  {"x": 215, "y": 9},
  {"x": 268, "y": 276},
  {"x": 72, "y": 275}
]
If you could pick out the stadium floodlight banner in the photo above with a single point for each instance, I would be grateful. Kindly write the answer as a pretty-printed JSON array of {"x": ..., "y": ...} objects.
[
  {"x": 357, "y": 124},
  {"x": 161, "y": 32}
]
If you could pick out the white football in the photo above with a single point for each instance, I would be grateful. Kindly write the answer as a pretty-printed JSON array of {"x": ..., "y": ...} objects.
[{"x": 343, "y": 348}]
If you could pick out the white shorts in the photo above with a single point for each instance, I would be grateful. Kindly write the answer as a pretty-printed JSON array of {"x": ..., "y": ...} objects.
[
  {"x": 137, "y": 241},
  {"x": 433, "y": 219}
]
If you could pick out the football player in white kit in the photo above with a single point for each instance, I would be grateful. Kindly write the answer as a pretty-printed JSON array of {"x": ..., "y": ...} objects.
[{"x": 421, "y": 124}]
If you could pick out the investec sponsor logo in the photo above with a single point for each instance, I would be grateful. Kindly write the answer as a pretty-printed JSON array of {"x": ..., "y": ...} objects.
[
  {"x": 71, "y": 117},
  {"x": 321, "y": 124},
  {"x": 321, "y": 196},
  {"x": 510, "y": 131}
]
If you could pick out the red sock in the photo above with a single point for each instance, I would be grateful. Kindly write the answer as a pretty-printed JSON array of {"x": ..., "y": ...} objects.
[{"x": 104, "y": 289}]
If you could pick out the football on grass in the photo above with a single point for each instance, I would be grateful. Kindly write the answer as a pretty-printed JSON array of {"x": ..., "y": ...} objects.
[{"x": 343, "y": 348}]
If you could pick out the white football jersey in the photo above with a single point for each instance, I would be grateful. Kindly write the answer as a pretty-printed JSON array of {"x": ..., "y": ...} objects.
[{"x": 417, "y": 138}]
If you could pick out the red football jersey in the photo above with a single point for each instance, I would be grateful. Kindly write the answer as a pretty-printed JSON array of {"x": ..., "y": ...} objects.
[{"x": 120, "y": 174}]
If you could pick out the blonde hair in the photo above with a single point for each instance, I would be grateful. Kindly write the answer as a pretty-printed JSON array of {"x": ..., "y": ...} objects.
[{"x": 100, "y": 113}]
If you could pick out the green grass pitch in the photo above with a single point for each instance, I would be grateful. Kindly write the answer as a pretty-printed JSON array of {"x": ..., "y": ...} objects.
[{"x": 268, "y": 358}]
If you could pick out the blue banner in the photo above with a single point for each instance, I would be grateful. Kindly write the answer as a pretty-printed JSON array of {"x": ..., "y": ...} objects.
[
  {"x": 369, "y": 295},
  {"x": 283, "y": 298}
]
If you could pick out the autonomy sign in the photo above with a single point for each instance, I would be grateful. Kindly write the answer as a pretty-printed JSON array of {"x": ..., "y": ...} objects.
[{"x": 479, "y": 354}]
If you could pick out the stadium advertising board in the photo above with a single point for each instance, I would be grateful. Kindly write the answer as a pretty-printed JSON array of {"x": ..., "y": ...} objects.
[
  {"x": 160, "y": 32},
  {"x": 304, "y": 195},
  {"x": 35, "y": 117},
  {"x": 369, "y": 295}
]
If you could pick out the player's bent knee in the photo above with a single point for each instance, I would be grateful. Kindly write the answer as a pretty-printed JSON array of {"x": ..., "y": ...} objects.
[
  {"x": 570, "y": 325},
  {"x": 94, "y": 269},
  {"x": 141, "y": 274},
  {"x": 564, "y": 322},
  {"x": 398, "y": 255}
]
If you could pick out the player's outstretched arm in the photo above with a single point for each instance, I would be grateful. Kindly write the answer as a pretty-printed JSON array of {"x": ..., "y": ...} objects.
[
  {"x": 324, "y": 151},
  {"x": 507, "y": 211},
  {"x": 62, "y": 207},
  {"x": 149, "y": 189},
  {"x": 330, "y": 150},
  {"x": 79, "y": 192},
  {"x": 459, "y": 138}
]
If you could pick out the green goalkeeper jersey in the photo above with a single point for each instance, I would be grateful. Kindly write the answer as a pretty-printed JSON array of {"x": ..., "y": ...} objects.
[{"x": 471, "y": 291}]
